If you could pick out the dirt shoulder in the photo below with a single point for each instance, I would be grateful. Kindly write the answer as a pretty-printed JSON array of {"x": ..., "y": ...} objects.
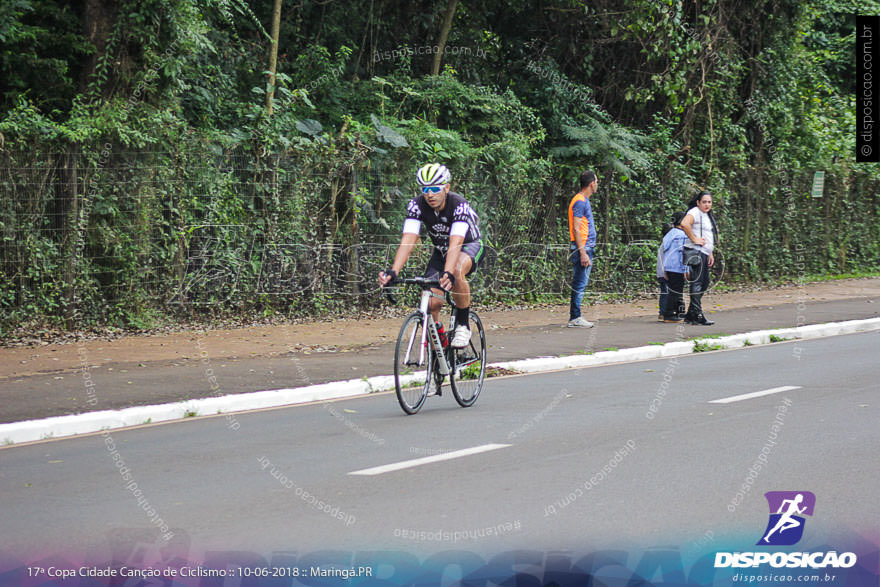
[{"x": 349, "y": 334}]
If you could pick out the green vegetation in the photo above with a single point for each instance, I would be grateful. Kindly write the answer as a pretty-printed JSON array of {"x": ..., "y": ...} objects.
[
  {"x": 153, "y": 168},
  {"x": 702, "y": 347},
  {"x": 774, "y": 338},
  {"x": 709, "y": 336},
  {"x": 500, "y": 372},
  {"x": 578, "y": 352},
  {"x": 472, "y": 371},
  {"x": 836, "y": 276}
]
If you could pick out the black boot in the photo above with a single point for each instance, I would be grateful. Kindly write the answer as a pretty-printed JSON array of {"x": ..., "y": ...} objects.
[
  {"x": 702, "y": 321},
  {"x": 695, "y": 309}
]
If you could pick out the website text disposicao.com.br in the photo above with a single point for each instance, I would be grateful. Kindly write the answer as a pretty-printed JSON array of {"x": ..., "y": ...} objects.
[
  {"x": 813, "y": 563},
  {"x": 783, "y": 579}
]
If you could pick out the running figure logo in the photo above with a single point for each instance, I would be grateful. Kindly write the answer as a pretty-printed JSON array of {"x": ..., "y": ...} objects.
[{"x": 786, "y": 526}]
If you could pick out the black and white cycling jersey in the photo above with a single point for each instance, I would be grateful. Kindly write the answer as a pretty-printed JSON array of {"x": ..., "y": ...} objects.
[{"x": 456, "y": 219}]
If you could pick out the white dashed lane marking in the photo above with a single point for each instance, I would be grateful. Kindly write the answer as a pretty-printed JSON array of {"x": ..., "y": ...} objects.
[
  {"x": 426, "y": 460},
  {"x": 738, "y": 398}
]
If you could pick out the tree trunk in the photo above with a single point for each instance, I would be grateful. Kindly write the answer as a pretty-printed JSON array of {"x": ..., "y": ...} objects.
[
  {"x": 273, "y": 54},
  {"x": 98, "y": 21},
  {"x": 444, "y": 34}
]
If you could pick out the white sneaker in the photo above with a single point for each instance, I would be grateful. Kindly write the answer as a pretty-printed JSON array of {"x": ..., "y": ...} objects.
[
  {"x": 580, "y": 322},
  {"x": 462, "y": 337}
]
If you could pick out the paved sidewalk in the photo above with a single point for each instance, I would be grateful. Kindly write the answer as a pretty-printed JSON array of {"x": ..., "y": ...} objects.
[{"x": 215, "y": 364}]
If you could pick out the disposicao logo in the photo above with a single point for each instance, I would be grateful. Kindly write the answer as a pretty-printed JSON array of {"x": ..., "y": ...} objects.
[
  {"x": 785, "y": 528},
  {"x": 786, "y": 525}
]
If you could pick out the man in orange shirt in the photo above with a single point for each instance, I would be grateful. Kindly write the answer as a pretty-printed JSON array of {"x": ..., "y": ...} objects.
[{"x": 582, "y": 231}]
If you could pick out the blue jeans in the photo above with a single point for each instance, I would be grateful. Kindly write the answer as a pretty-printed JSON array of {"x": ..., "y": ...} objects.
[{"x": 579, "y": 279}]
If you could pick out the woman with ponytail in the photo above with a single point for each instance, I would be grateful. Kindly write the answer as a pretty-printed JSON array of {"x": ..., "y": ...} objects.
[{"x": 700, "y": 227}]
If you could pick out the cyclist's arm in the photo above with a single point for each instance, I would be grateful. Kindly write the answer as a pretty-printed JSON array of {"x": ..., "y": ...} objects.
[
  {"x": 452, "y": 254},
  {"x": 455, "y": 243},
  {"x": 404, "y": 250}
]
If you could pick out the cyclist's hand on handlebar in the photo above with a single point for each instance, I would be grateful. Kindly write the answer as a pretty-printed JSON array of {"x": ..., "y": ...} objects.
[
  {"x": 386, "y": 276},
  {"x": 447, "y": 281}
]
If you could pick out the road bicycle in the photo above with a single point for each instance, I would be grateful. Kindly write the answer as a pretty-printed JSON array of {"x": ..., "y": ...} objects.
[{"x": 423, "y": 359}]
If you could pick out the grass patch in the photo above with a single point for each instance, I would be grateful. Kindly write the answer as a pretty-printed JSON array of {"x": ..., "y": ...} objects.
[
  {"x": 500, "y": 371},
  {"x": 709, "y": 336},
  {"x": 580, "y": 352},
  {"x": 837, "y": 276},
  {"x": 190, "y": 414},
  {"x": 747, "y": 342},
  {"x": 610, "y": 348},
  {"x": 703, "y": 347},
  {"x": 472, "y": 371},
  {"x": 657, "y": 343},
  {"x": 774, "y": 338}
]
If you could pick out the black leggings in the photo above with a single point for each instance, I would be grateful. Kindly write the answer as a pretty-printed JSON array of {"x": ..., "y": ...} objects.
[{"x": 699, "y": 284}]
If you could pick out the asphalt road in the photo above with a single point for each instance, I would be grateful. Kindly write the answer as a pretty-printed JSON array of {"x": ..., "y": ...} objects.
[{"x": 586, "y": 466}]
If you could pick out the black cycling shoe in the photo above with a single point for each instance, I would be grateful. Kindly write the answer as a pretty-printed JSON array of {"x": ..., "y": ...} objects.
[{"x": 701, "y": 320}]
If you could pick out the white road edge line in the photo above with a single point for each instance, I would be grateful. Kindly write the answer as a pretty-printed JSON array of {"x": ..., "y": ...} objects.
[
  {"x": 739, "y": 398},
  {"x": 432, "y": 459}
]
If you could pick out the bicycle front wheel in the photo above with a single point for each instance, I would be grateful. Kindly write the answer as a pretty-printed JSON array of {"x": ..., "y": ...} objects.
[
  {"x": 412, "y": 365},
  {"x": 469, "y": 365}
]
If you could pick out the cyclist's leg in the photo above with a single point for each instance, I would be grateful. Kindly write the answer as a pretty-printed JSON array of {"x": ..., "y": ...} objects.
[
  {"x": 434, "y": 270},
  {"x": 461, "y": 291},
  {"x": 467, "y": 264}
]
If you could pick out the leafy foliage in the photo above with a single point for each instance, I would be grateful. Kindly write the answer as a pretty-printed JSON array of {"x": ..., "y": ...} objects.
[{"x": 141, "y": 176}]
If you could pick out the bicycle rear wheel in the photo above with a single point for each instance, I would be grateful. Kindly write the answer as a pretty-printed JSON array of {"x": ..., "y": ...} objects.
[
  {"x": 412, "y": 365},
  {"x": 469, "y": 365}
]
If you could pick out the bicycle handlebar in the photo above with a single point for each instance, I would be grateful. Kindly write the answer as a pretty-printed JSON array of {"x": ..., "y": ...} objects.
[{"x": 422, "y": 282}]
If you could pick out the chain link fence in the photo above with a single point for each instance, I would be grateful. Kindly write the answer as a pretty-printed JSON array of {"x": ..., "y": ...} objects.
[{"x": 116, "y": 237}]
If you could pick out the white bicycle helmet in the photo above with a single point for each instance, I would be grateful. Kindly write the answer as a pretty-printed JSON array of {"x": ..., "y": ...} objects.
[{"x": 433, "y": 174}]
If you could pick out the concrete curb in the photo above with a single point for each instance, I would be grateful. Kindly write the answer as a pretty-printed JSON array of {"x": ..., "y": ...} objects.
[
  {"x": 62, "y": 426},
  {"x": 671, "y": 349}
]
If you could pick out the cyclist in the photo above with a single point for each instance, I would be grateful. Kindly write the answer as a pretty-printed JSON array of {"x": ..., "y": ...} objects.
[{"x": 454, "y": 229}]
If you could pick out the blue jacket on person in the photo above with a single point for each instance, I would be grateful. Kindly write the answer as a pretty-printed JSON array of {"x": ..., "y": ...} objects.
[{"x": 673, "y": 243}]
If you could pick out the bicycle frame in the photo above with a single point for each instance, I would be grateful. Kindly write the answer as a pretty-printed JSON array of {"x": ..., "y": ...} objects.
[{"x": 429, "y": 326}]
